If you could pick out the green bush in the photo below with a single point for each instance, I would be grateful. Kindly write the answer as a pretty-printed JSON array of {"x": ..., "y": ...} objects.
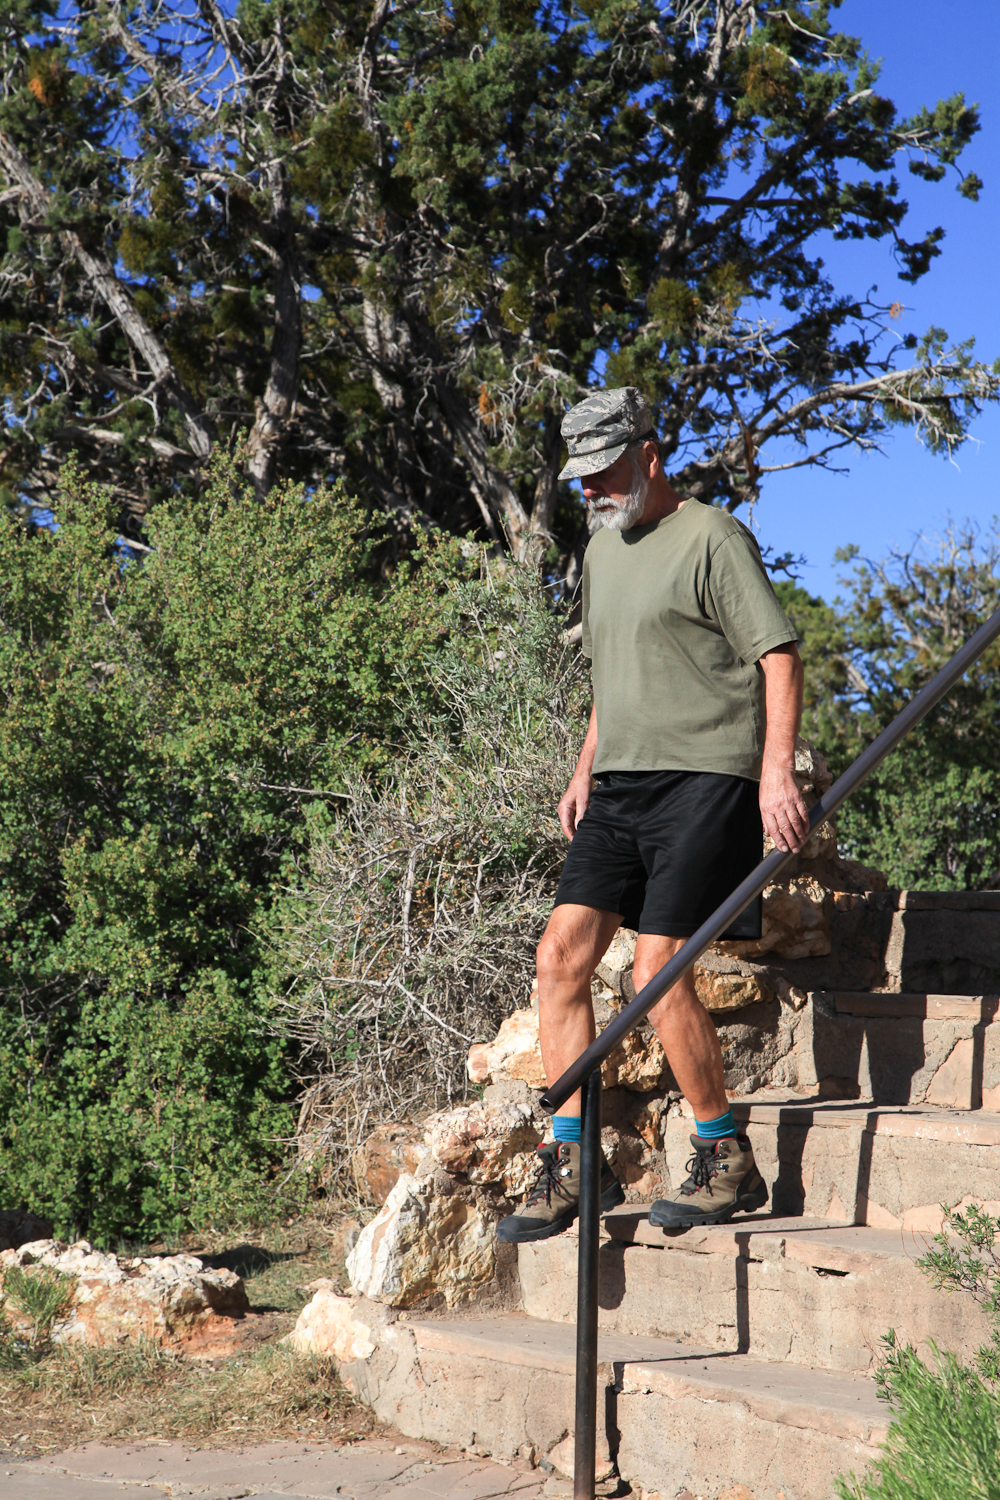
[
  {"x": 944, "y": 1439},
  {"x": 164, "y": 726},
  {"x": 930, "y": 814}
]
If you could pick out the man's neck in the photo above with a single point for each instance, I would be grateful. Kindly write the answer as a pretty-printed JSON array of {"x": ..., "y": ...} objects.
[{"x": 661, "y": 501}]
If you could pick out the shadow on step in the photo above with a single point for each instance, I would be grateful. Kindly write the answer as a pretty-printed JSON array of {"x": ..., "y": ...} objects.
[{"x": 903, "y": 1048}]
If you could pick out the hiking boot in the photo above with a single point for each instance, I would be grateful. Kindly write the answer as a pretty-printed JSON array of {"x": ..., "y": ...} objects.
[
  {"x": 724, "y": 1180},
  {"x": 554, "y": 1200}
]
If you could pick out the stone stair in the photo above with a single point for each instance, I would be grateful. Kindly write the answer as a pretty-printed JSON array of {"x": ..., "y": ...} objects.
[{"x": 743, "y": 1354}]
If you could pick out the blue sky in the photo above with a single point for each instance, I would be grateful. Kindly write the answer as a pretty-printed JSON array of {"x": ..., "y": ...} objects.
[{"x": 930, "y": 50}]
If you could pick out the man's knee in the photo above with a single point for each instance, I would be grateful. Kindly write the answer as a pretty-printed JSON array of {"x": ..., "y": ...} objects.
[
  {"x": 560, "y": 960},
  {"x": 650, "y": 958},
  {"x": 677, "y": 998}
]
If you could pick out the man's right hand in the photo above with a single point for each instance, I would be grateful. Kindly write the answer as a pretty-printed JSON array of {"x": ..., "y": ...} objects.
[{"x": 574, "y": 803}]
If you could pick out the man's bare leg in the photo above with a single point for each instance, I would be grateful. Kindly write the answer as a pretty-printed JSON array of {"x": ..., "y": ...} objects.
[
  {"x": 573, "y": 944},
  {"x": 570, "y": 950},
  {"x": 724, "y": 1179},
  {"x": 685, "y": 1029}
]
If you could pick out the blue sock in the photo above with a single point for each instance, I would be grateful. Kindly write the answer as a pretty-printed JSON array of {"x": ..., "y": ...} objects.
[
  {"x": 566, "y": 1127},
  {"x": 716, "y": 1130}
]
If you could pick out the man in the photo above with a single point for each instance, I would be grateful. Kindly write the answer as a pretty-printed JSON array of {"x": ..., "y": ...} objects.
[{"x": 691, "y": 747}]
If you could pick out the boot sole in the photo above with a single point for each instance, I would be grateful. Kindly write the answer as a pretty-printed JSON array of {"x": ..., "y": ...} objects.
[
  {"x": 610, "y": 1198},
  {"x": 745, "y": 1203}
]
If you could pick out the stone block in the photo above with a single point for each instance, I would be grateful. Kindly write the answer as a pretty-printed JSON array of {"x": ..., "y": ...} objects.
[
  {"x": 423, "y": 1243},
  {"x": 794, "y": 1291},
  {"x": 667, "y": 1294},
  {"x": 702, "y": 1444},
  {"x": 945, "y": 948}
]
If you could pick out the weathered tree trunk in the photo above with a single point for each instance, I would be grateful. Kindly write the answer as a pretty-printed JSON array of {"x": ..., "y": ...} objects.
[{"x": 276, "y": 408}]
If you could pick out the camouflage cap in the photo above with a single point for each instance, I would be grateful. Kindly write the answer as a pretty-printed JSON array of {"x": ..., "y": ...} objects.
[{"x": 598, "y": 429}]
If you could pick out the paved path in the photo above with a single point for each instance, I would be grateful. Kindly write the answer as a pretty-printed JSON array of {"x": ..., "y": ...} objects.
[{"x": 371, "y": 1469}]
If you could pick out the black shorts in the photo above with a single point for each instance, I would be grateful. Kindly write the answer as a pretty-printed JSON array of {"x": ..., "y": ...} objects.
[{"x": 663, "y": 849}]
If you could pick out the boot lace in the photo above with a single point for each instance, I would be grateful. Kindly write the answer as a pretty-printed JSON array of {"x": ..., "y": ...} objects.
[
  {"x": 547, "y": 1182},
  {"x": 702, "y": 1167}
]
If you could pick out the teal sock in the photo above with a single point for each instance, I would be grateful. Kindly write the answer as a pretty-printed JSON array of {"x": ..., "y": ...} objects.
[
  {"x": 716, "y": 1130},
  {"x": 566, "y": 1127}
]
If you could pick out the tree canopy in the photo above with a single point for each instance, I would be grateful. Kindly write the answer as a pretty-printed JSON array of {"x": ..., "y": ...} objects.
[{"x": 391, "y": 242}]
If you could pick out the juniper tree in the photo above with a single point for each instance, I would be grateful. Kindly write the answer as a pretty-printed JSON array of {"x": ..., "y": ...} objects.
[
  {"x": 928, "y": 816},
  {"x": 393, "y": 241}
]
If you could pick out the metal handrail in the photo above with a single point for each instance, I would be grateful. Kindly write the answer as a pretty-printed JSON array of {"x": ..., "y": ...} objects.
[{"x": 586, "y": 1069}]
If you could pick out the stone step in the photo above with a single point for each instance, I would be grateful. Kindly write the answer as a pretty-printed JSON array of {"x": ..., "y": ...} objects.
[
  {"x": 800, "y": 1291},
  {"x": 887, "y": 1167},
  {"x": 946, "y": 939},
  {"x": 905, "y": 1048},
  {"x": 676, "y": 1416}
]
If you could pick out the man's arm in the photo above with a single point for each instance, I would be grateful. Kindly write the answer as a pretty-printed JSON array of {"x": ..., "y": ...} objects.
[
  {"x": 576, "y": 798},
  {"x": 785, "y": 815}
]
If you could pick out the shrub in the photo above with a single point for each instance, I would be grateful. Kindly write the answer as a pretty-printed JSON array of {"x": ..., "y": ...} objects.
[
  {"x": 930, "y": 814},
  {"x": 411, "y": 931},
  {"x": 944, "y": 1439},
  {"x": 164, "y": 727}
]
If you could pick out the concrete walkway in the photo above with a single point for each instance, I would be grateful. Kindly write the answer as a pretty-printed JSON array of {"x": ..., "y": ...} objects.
[{"x": 371, "y": 1469}]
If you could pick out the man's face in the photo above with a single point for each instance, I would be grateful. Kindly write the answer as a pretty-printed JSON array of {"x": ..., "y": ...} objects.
[{"x": 617, "y": 494}]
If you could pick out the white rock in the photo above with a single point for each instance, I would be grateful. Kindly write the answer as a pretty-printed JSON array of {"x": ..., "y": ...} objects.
[
  {"x": 169, "y": 1298},
  {"x": 482, "y": 1142},
  {"x": 514, "y": 1053},
  {"x": 329, "y": 1326},
  {"x": 420, "y": 1244}
]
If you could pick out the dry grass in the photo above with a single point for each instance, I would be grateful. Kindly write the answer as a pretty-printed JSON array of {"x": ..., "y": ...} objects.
[
  {"x": 137, "y": 1391},
  {"x": 54, "y": 1397}
]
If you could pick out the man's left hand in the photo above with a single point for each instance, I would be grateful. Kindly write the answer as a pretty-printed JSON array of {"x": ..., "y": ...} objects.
[{"x": 784, "y": 813}]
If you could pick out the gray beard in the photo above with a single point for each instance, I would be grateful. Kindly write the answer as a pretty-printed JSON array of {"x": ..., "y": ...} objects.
[{"x": 626, "y": 515}]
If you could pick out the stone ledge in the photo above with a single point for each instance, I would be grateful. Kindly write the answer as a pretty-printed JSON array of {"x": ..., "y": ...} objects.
[
  {"x": 975, "y": 1008},
  {"x": 533, "y": 1343},
  {"x": 979, "y": 1127},
  {"x": 812, "y": 1242},
  {"x": 948, "y": 901},
  {"x": 843, "y": 1406}
]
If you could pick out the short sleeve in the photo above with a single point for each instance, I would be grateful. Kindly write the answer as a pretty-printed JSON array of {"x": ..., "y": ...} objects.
[
  {"x": 747, "y": 607},
  {"x": 586, "y": 640}
]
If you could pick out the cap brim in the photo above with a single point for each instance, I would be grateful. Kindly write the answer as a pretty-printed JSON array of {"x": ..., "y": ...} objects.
[{"x": 593, "y": 463}]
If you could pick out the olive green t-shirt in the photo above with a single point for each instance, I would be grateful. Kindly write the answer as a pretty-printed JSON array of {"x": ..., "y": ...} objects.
[{"x": 676, "y": 615}]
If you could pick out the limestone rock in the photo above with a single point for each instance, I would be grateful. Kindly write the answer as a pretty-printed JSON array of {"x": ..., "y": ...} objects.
[
  {"x": 720, "y": 991},
  {"x": 814, "y": 778},
  {"x": 18, "y": 1226},
  {"x": 794, "y": 923},
  {"x": 514, "y": 1053},
  {"x": 716, "y": 990},
  {"x": 331, "y": 1327},
  {"x": 639, "y": 1063},
  {"x": 422, "y": 1243},
  {"x": 173, "y": 1299},
  {"x": 386, "y": 1153},
  {"x": 483, "y": 1143},
  {"x": 615, "y": 968}
]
